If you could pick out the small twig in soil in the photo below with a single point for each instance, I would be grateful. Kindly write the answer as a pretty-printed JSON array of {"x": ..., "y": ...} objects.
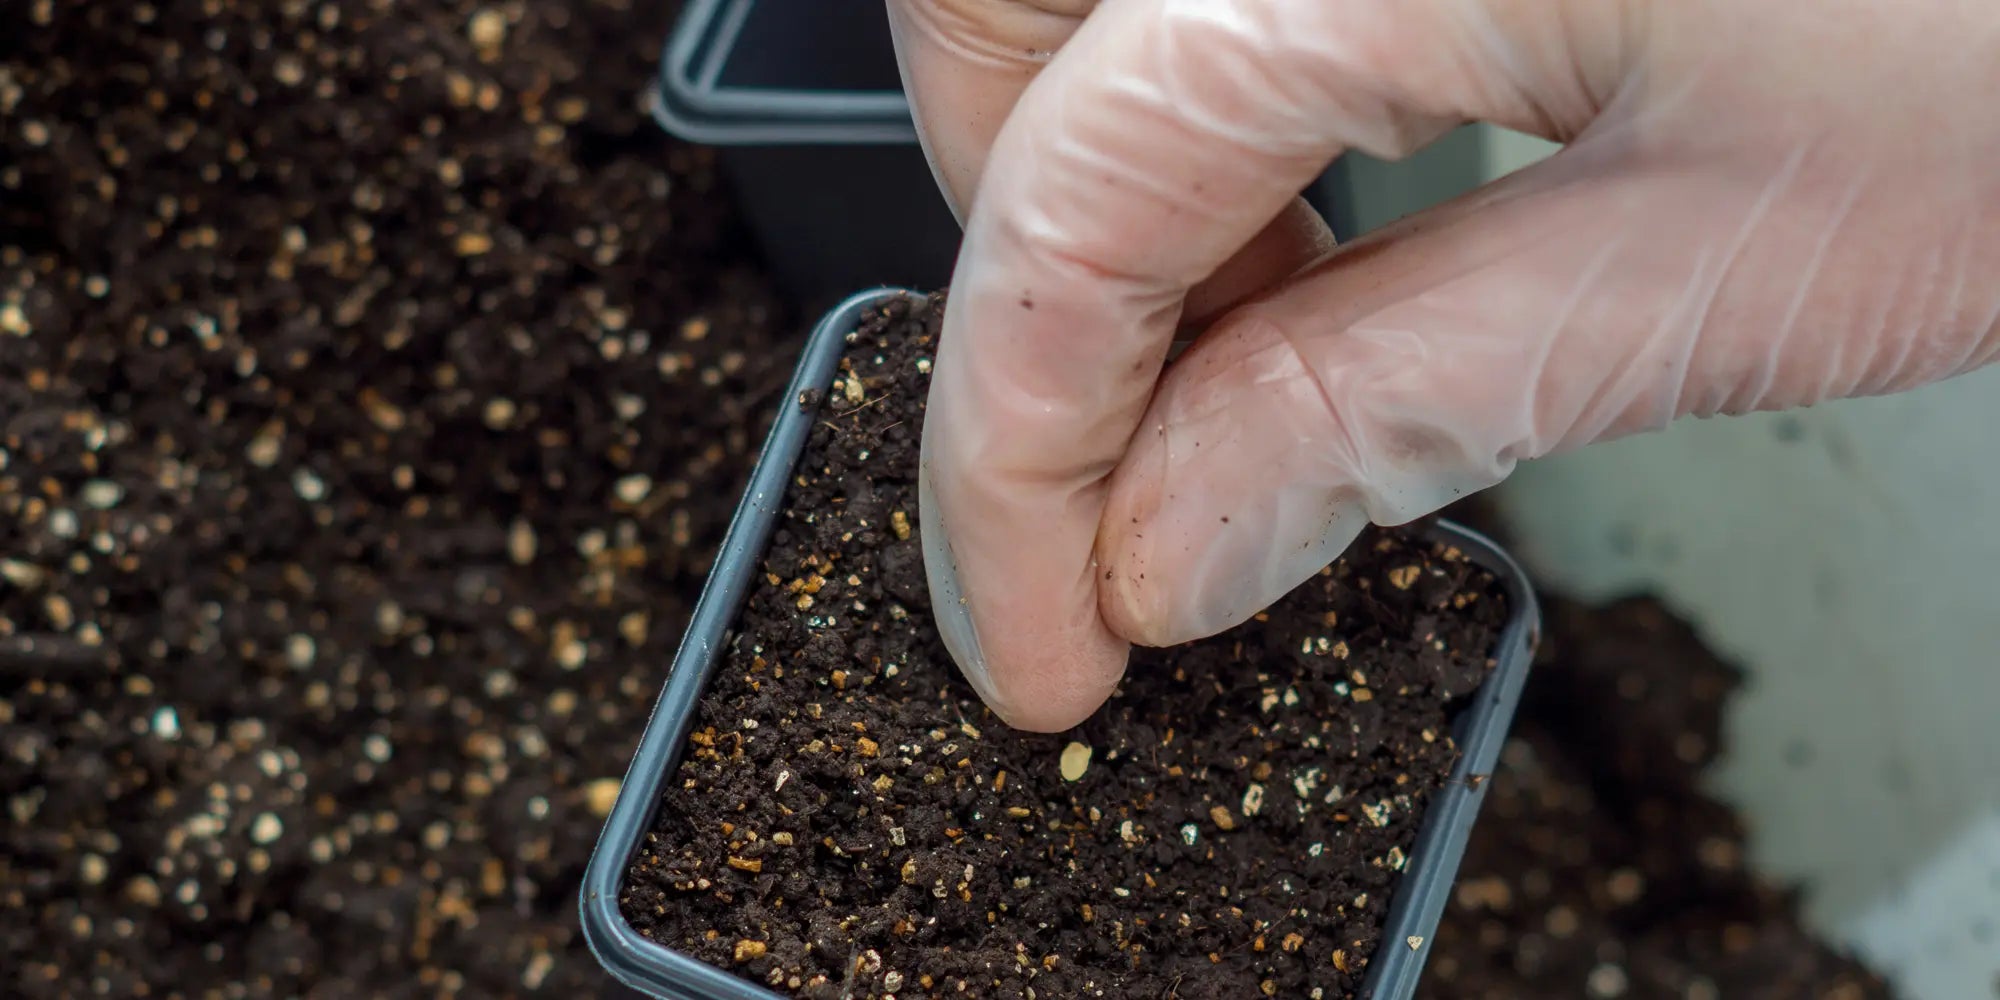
[
  {"x": 853, "y": 967},
  {"x": 866, "y": 404}
]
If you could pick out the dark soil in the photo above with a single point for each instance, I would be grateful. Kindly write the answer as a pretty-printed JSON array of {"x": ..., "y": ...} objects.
[
  {"x": 331, "y": 338},
  {"x": 373, "y": 384},
  {"x": 851, "y": 821},
  {"x": 1599, "y": 868}
]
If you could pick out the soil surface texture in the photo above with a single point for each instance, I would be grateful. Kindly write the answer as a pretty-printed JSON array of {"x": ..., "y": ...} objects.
[
  {"x": 850, "y": 821},
  {"x": 374, "y": 383}
]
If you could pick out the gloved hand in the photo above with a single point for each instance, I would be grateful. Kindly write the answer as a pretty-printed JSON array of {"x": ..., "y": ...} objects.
[{"x": 1761, "y": 204}]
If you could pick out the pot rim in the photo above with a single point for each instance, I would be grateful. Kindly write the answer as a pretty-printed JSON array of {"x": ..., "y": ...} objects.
[{"x": 1416, "y": 905}]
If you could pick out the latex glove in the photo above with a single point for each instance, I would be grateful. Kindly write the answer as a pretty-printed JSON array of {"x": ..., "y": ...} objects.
[{"x": 1761, "y": 204}]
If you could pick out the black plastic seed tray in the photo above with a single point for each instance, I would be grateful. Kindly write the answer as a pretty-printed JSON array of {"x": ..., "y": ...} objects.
[
  {"x": 804, "y": 104},
  {"x": 661, "y": 972}
]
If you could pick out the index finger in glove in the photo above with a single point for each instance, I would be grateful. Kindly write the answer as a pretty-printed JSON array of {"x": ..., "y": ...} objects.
[
  {"x": 1164, "y": 137},
  {"x": 964, "y": 65}
]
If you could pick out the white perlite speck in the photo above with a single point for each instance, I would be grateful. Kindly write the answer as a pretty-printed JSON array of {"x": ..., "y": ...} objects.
[
  {"x": 1253, "y": 800},
  {"x": 102, "y": 494},
  {"x": 266, "y": 828},
  {"x": 308, "y": 485},
  {"x": 1306, "y": 782},
  {"x": 300, "y": 650},
  {"x": 1607, "y": 981},
  {"x": 166, "y": 723},
  {"x": 633, "y": 489}
]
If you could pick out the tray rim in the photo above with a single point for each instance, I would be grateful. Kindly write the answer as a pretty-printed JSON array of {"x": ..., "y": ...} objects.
[
  {"x": 656, "y": 970},
  {"x": 686, "y": 100}
]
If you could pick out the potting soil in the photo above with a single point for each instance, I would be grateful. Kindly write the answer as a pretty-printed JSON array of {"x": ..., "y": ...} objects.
[
  {"x": 372, "y": 383},
  {"x": 851, "y": 821},
  {"x": 1600, "y": 869}
]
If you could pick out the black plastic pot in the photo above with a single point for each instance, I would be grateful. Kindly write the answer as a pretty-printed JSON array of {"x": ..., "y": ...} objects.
[
  {"x": 661, "y": 972},
  {"x": 805, "y": 107},
  {"x": 804, "y": 104}
]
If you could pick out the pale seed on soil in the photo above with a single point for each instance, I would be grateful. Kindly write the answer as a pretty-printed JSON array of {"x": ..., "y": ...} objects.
[
  {"x": 102, "y": 494},
  {"x": 1075, "y": 761}
]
